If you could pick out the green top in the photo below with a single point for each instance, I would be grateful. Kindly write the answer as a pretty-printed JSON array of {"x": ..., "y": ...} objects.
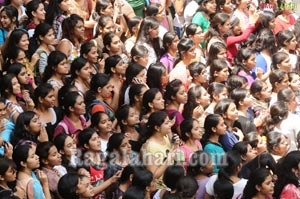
[{"x": 201, "y": 20}]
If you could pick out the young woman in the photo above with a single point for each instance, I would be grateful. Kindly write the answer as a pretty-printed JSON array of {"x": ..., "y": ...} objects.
[
  {"x": 279, "y": 80},
  {"x": 191, "y": 133},
  {"x": 243, "y": 103},
  {"x": 128, "y": 120},
  {"x": 102, "y": 124},
  {"x": 73, "y": 122},
  {"x": 198, "y": 101},
  {"x": 100, "y": 95},
  {"x": 157, "y": 76},
  {"x": 214, "y": 127},
  {"x": 281, "y": 60},
  {"x": 186, "y": 50},
  {"x": 140, "y": 55},
  {"x": 72, "y": 37},
  {"x": 56, "y": 71},
  {"x": 219, "y": 71},
  {"x": 44, "y": 106},
  {"x": 227, "y": 109},
  {"x": 116, "y": 67},
  {"x": 112, "y": 46},
  {"x": 29, "y": 128},
  {"x": 217, "y": 91},
  {"x": 287, "y": 182},
  {"x": 198, "y": 73},
  {"x": 175, "y": 95},
  {"x": 57, "y": 11},
  {"x": 200, "y": 168},
  {"x": 133, "y": 27},
  {"x": 36, "y": 15},
  {"x": 225, "y": 6},
  {"x": 157, "y": 140},
  {"x": 156, "y": 10},
  {"x": 277, "y": 145},
  {"x": 194, "y": 32},
  {"x": 242, "y": 13},
  {"x": 8, "y": 175},
  {"x": 284, "y": 20},
  {"x": 9, "y": 21},
  {"x": 245, "y": 62},
  {"x": 10, "y": 90},
  {"x": 119, "y": 154},
  {"x": 257, "y": 142},
  {"x": 203, "y": 15},
  {"x": 89, "y": 140},
  {"x": 43, "y": 39},
  {"x": 49, "y": 159},
  {"x": 286, "y": 41},
  {"x": 88, "y": 50},
  {"x": 170, "y": 41},
  {"x": 30, "y": 184},
  {"x": 22, "y": 17},
  {"x": 218, "y": 50},
  {"x": 148, "y": 36},
  {"x": 152, "y": 101},
  {"x": 81, "y": 74}
]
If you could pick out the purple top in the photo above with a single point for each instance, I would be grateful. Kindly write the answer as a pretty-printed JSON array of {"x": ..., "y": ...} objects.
[
  {"x": 66, "y": 126},
  {"x": 249, "y": 77},
  {"x": 168, "y": 61},
  {"x": 201, "y": 190},
  {"x": 178, "y": 118}
]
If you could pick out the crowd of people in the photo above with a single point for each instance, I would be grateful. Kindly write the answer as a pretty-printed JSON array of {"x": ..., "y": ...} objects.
[{"x": 143, "y": 99}]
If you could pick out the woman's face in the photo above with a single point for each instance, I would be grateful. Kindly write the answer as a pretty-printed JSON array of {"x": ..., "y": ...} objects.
[
  {"x": 164, "y": 79},
  {"x": 210, "y": 6},
  {"x": 295, "y": 83},
  {"x": 165, "y": 127},
  {"x": 158, "y": 102},
  {"x": 225, "y": 27},
  {"x": 174, "y": 43},
  {"x": 85, "y": 72},
  {"x": 54, "y": 158},
  {"x": 282, "y": 147},
  {"x": 24, "y": 42},
  {"x": 292, "y": 44},
  {"x": 160, "y": 15},
  {"x": 231, "y": 113},
  {"x": 108, "y": 11},
  {"x": 222, "y": 75},
  {"x": 49, "y": 38},
  {"x": 218, "y": 96},
  {"x": 133, "y": 117},
  {"x": 92, "y": 55},
  {"x": 21, "y": 59},
  {"x": 10, "y": 175},
  {"x": 222, "y": 55},
  {"x": 196, "y": 132},
  {"x": 227, "y": 7},
  {"x": 261, "y": 145},
  {"x": 120, "y": 68},
  {"x": 285, "y": 65},
  {"x": 63, "y": 68},
  {"x": 220, "y": 129},
  {"x": 40, "y": 13},
  {"x": 6, "y": 22},
  {"x": 79, "y": 106},
  {"x": 115, "y": 45},
  {"x": 125, "y": 147},
  {"x": 142, "y": 75},
  {"x": 267, "y": 187},
  {"x": 32, "y": 161},
  {"x": 204, "y": 99},
  {"x": 106, "y": 91},
  {"x": 143, "y": 60},
  {"x": 35, "y": 125},
  {"x": 84, "y": 188},
  {"x": 250, "y": 63},
  {"x": 191, "y": 53},
  {"x": 283, "y": 84},
  {"x": 94, "y": 143},
  {"x": 272, "y": 24},
  {"x": 181, "y": 95},
  {"x": 251, "y": 153},
  {"x": 23, "y": 76},
  {"x": 69, "y": 147},
  {"x": 153, "y": 32},
  {"x": 198, "y": 36},
  {"x": 16, "y": 88},
  {"x": 49, "y": 100},
  {"x": 64, "y": 5},
  {"x": 79, "y": 29},
  {"x": 105, "y": 124},
  {"x": 247, "y": 102},
  {"x": 109, "y": 27}
]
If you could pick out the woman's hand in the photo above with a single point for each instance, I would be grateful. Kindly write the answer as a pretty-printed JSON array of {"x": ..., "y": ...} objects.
[
  {"x": 43, "y": 137},
  {"x": 198, "y": 112},
  {"x": 236, "y": 131},
  {"x": 42, "y": 177}
]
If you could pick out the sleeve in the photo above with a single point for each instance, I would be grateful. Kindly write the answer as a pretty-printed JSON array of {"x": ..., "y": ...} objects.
[
  {"x": 209, "y": 187},
  {"x": 35, "y": 190},
  {"x": 58, "y": 130},
  {"x": 43, "y": 62},
  {"x": 261, "y": 63},
  {"x": 228, "y": 141},
  {"x": 244, "y": 36}
]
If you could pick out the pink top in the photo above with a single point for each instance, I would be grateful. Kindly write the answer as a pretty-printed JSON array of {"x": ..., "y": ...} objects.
[
  {"x": 290, "y": 191},
  {"x": 283, "y": 25},
  {"x": 188, "y": 152},
  {"x": 180, "y": 72}
]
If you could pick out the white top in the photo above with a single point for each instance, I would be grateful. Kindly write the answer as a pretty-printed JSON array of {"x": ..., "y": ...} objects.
[
  {"x": 290, "y": 127},
  {"x": 189, "y": 11}
]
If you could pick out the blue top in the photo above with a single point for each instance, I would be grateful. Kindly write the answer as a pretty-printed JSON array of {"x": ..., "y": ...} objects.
[
  {"x": 6, "y": 134},
  {"x": 3, "y": 35},
  {"x": 261, "y": 63},
  {"x": 216, "y": 152},
  {"x": 228, "y": 140}
]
